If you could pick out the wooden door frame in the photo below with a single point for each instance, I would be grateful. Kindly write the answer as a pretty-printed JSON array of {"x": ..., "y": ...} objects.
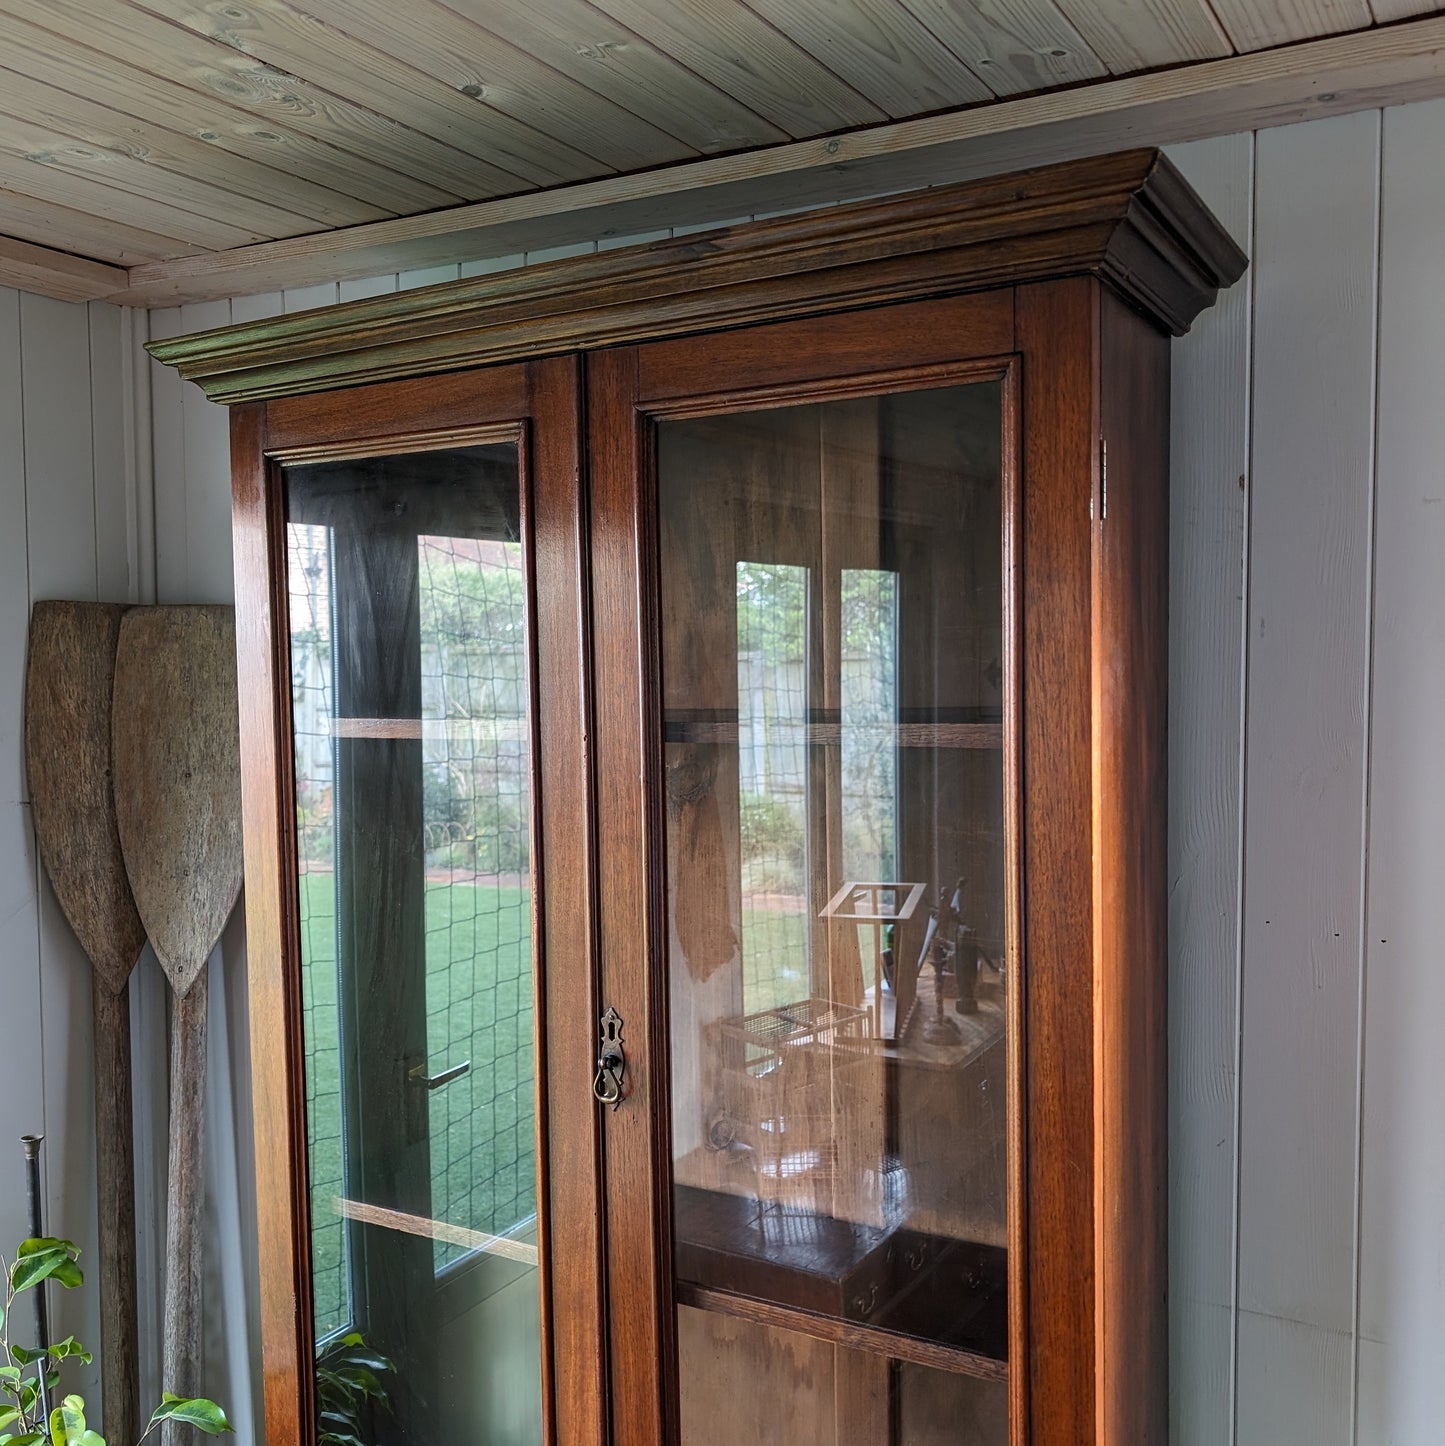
[
  {"x": 540, "y": 400},
  {"x": 900, "y": 347}
]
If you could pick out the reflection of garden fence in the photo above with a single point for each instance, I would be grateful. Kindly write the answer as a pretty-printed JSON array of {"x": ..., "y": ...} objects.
[{"x": 475, "y": 758}]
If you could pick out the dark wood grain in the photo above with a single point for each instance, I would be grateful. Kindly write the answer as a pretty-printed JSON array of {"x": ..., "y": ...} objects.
[
  {"x": 1108, "y": 257},
  {"x": 1130, "y": 658},
  {"x": 1057, "y": 333},
  {"x": 70, "y": 675},
  {"x": 857, "y": 347},
  {"x": 1129, "y": 218},
  {"x": 569, "y": 1122},
  {"x": 421, "y": 407},
  {"x": 641, "y": 1340},
  {"x": 272, "y": 943}
]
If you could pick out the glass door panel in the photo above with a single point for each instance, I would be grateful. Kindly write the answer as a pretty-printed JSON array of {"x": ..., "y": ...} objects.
[
  {"x": 408, "y": 600},
  {"x": 833, "y": 726}
]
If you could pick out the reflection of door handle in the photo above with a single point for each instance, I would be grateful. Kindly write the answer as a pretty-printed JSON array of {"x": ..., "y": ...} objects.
[{"x": 418, "y": 1075}]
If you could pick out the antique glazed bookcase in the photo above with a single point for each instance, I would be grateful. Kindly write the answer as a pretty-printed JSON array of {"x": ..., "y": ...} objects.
[{"x": 703, "y": 716}]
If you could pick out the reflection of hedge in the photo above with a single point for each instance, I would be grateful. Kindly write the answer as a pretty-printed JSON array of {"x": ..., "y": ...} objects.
[
  {"x": 477, "y": 828},
  {"x": 773, "y": 844}
]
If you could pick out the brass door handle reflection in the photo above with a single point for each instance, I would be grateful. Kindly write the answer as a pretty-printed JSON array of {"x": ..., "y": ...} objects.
[{"x": 417, "y": 1075}]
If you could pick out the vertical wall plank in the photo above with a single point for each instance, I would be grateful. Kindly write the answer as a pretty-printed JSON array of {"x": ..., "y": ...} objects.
[
  {"x": 257, "y": 308},
  {"x": 168, "y": 440},
  {"x": 22, "y": 1100},
  {"x": 367, "y": 286},
  {"x": 1402, "y": 1238},
  {"x": 306, "y": 298},
  {"x": 1309, "y": 558},
  {"x": 59, "y": 466},
  {"x": 112, "y": 456},
  {"x": 207, "y": 479},
  {"x": 426, "y": 276},
  {"x": 1209, "y": 449},
  {"x": 61, "y": 552}
]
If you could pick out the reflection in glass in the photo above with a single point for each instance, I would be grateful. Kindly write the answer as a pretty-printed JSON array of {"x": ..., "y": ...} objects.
[
  {"x": 409, "y": 664},
  {"x": 832, "y": 655}
]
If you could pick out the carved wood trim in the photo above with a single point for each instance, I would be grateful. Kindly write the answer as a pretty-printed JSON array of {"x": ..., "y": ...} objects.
[{"x": 1130, "y": 219}]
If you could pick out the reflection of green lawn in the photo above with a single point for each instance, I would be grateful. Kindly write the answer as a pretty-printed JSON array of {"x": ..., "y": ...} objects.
[{"x": 479, "y": 1007}]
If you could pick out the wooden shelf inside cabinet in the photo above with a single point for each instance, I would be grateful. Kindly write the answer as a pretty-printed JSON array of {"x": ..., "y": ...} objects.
[
  {"x": 830, "y": 734},
  {"x": 428, "y": 727},
  {"x": 875, "y": 1339},
  {"x": 890, "y": 1289}
]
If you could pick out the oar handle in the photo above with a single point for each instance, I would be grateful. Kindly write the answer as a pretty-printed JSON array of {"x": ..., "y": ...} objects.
[
  {"x": 181, "y": 1356},
  {"x": 115, "y": 1182}
]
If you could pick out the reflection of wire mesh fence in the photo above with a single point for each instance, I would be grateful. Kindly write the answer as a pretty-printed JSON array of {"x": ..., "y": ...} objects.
[
  {"x": 475, "y": 750},
  {"x": 773, "y": 780},
  {"x": 869, "y": 699},
  {"x": 311, "y": 693},
  {"x": 476, "y": 817}
]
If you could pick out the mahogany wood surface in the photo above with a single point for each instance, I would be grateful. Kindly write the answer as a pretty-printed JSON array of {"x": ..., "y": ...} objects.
[
  {"x": 540, "y": 403},
  {"x": 272, "y": 939},
  {"x": 1057, "y": 329},
  {"x": 1130, "y": 660},
  {"x": 627, "y": 740},
  {"x": 1082, "y": 365},
  {"x": 569, "y": 1125}
]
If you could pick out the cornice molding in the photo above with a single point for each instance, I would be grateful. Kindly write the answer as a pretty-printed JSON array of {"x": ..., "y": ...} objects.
[{"x": 1129, "y": 219}]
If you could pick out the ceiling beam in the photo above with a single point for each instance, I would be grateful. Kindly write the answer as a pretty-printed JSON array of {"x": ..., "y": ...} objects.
[
  {"x": 56, "y": 273},
  {"x": 1387, "y": 65}
]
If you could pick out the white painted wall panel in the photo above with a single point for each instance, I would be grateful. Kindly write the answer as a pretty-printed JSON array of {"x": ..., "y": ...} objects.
[
  {"x": 1209, "y": 446},
  {"x": 66, "y": 509},
  {"x": 1309, "y": 565},
  {"x": 1402, "y": 1225}
]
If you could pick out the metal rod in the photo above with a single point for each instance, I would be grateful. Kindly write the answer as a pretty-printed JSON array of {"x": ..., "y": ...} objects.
[{"x": 37, "y": 1231}]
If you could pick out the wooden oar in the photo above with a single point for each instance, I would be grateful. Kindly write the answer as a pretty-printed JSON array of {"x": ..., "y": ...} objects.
[
  {"x": 68, "y": 756},
  {"x": 178, "y": 805}
]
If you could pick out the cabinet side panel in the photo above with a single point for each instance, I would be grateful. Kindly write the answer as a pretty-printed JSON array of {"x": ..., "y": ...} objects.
[
  {"x": 276, "y": 1050},
  {"x": 1130, "y": 655},
  {"x": 1057, "y": 336}
]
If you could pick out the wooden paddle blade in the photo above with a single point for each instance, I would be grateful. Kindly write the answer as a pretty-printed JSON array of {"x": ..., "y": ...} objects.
[
  {"x": 68, "y": 680},
  {"x": 178, "y": 778}
]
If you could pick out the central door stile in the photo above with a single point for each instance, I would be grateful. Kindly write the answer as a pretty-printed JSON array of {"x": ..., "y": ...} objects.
[
  {"x": 640, "y": 1341},
  {"x": 573, "y": 1320}
]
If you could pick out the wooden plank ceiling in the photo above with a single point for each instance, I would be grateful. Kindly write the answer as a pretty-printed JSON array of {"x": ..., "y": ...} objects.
[{"x": 139, "y": 135}]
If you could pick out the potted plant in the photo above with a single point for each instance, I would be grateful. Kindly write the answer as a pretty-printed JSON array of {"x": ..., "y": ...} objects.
[{"x": 24, "y": 1368}]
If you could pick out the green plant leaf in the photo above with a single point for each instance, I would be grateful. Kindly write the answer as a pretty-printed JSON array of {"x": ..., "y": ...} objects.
[
  {"x": 25, "y": 1355},
  {"x": 9, "y": 1415},
  {"x": 39, "y": 1259},
  {"x": 67, "y": 1422},
  {"x": 26, "y": 1438},
  {"x": 204, "y": 1415},
  {"x": 70, "y": 1347},
  {"x": 43, "y": 1244}
]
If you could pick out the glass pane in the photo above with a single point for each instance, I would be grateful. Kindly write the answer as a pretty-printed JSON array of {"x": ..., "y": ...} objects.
[
  {"x": 409, "y": 659},
  {"x": 832, "y": 662},
  {"x": 770, "y": 1384}
]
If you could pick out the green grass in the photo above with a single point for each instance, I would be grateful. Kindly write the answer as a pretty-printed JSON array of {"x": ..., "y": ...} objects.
[{"x": 479, "y": 1007}]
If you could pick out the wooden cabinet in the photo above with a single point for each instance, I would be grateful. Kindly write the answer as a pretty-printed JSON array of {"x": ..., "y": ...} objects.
[{"x": 703, "y": 726}]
